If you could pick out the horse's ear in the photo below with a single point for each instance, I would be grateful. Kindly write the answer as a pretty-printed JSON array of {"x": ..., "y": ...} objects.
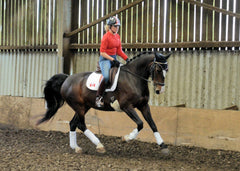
[
  {"x": 162, "y": 57},
  {"x": 168, "y": 55}
]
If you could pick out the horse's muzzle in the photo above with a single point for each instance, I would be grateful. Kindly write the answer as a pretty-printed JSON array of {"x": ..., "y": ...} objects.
[{"x": 160, "y": 90}]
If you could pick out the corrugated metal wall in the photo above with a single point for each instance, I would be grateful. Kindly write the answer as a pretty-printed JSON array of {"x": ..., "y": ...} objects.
[
  {"x": 198, "y": 79},
  {"x": 23, "y": 73}
]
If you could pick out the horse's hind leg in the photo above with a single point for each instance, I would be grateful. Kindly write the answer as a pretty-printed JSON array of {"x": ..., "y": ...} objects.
[
  {"x": 79, "y": 121},
  {"x": 73, "y": 134}
]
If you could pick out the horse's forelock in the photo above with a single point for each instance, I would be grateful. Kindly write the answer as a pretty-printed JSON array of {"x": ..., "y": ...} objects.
[{"x": 160, "y": 58}]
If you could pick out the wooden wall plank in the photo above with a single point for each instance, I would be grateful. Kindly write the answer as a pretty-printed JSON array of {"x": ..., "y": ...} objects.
[
  {"x": 74, "y": 19},
  {"x": 173, "y": 20},
  {"x": 134, "y": 24},
  {"x": 230, "y": 22},
  {"x": 185, "y": 22},
  {"x": 140, "y": 22},
  {"x": 145, "y": 23},
  {"x": 100, "y": 28},
  {"x": 26, "y": 23},
  {"x": 197, "y": 21},
  {"x": 237, "y": 36},
  {"x": 161, "y": 26},
  {"x": 156, "y": 22},
  {"x": 210, "y": 23},
  {"x": 204, "y": 22},
  {"x": 223, "y": 24},
  {"x": 124, "y": 23},
  {"x": 167, "y": 11},
  {"x": 216, "y": 23},
  {"x": 90, "y": 30},
  {"x": 1, "y": 22},
  {"x": 150, "y": 21},
  {"x": 191, "y": 24}
]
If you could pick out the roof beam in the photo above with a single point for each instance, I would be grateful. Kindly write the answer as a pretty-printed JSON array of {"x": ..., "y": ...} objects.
[
  {"x": 210, "y": 7},
  {"x": 202, "y": 44},
  {"x": 69, "y": 34}
]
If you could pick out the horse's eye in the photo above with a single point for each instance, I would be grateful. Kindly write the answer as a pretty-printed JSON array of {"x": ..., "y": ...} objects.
[{"x": 165, "y": 67}]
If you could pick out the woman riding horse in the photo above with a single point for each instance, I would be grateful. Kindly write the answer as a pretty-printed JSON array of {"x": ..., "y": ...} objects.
[
  {"x": 131, "y": 92},
  {"x": 110, "y": 46}
]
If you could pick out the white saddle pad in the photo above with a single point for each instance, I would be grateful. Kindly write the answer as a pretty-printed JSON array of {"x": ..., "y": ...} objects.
[{"x": 94, "y": 81}]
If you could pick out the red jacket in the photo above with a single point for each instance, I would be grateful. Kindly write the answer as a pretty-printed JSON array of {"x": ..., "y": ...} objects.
[{"x": 111, "y": 44}]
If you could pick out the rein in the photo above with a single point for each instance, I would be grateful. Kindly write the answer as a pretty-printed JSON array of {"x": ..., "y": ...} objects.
[{"x": 136, "y": 75}]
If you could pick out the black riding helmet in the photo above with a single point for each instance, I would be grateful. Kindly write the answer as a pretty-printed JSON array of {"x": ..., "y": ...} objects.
[{"x": 113, "y": 21}]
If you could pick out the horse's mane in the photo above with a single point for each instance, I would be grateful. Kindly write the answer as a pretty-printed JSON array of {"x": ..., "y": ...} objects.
[{"x": 140, "y": 54}]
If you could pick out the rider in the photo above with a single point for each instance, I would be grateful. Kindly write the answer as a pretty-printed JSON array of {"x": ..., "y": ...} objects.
[{"x": 110, "y": 47}]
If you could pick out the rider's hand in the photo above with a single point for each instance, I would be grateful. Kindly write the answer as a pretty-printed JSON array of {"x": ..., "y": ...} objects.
[{"x": 115, "y": 63}]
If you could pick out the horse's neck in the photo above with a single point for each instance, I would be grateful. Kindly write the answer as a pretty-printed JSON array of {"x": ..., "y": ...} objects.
[{"x": 141, "y": 67}]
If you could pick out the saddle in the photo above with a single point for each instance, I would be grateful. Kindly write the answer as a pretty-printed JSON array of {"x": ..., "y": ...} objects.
[
  {"x": 95, "y": 79},
  {"x": 112, "y": 73}
]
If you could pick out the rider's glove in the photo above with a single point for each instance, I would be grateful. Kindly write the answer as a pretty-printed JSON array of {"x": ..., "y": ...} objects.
[{"x": 115, "y": 63}]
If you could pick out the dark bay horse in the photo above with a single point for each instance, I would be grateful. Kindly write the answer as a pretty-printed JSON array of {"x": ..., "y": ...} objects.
[{"x": 131, "y": 92}]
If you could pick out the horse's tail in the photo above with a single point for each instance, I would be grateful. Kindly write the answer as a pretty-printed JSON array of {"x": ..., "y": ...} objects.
[{"x": 52, "y": 96}]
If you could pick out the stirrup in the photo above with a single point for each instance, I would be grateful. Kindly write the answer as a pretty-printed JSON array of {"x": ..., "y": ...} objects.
[{"x": 99, "y": 101}]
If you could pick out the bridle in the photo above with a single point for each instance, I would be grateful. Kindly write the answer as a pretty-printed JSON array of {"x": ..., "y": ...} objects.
[{"x": 153, "y": 66}]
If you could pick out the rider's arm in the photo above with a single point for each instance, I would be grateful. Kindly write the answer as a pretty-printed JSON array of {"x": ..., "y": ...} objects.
[
  {"x": 120, "y": 52},
  {"x": 105, "y": 55}
]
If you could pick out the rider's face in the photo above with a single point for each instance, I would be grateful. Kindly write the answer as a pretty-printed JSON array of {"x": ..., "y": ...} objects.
[{"x": 115, "y": 29}]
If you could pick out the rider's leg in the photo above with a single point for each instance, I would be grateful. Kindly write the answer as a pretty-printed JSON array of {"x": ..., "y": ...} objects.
[
  {"x": 100, "y": 92},
  {"x": 105, "y": 66}
]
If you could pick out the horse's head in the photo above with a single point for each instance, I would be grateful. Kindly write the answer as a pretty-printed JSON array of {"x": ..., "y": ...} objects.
[{"x": 158, "y": 69}]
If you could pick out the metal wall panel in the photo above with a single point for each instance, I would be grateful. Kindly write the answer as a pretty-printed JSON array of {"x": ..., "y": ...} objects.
[
  {"x": 198, "y": 79},
  {"x": 25, "y": 73}
]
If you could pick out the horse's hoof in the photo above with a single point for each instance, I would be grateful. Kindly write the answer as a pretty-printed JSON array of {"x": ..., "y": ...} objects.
[
  {"x": 125, "y": 138},
  {"x": 78, "y": 150},
  {"x": 100, "y": 148},
  {"x": 164, "y": 149}
]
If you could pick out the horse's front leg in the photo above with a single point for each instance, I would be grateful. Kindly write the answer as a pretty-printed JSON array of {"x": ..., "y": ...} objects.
[
  {"x": 145, "y": 109},
  {"x": 134, "y": 116}
]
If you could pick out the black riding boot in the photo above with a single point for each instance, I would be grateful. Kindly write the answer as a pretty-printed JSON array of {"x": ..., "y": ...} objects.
[{"x": 99, "y": 96}]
